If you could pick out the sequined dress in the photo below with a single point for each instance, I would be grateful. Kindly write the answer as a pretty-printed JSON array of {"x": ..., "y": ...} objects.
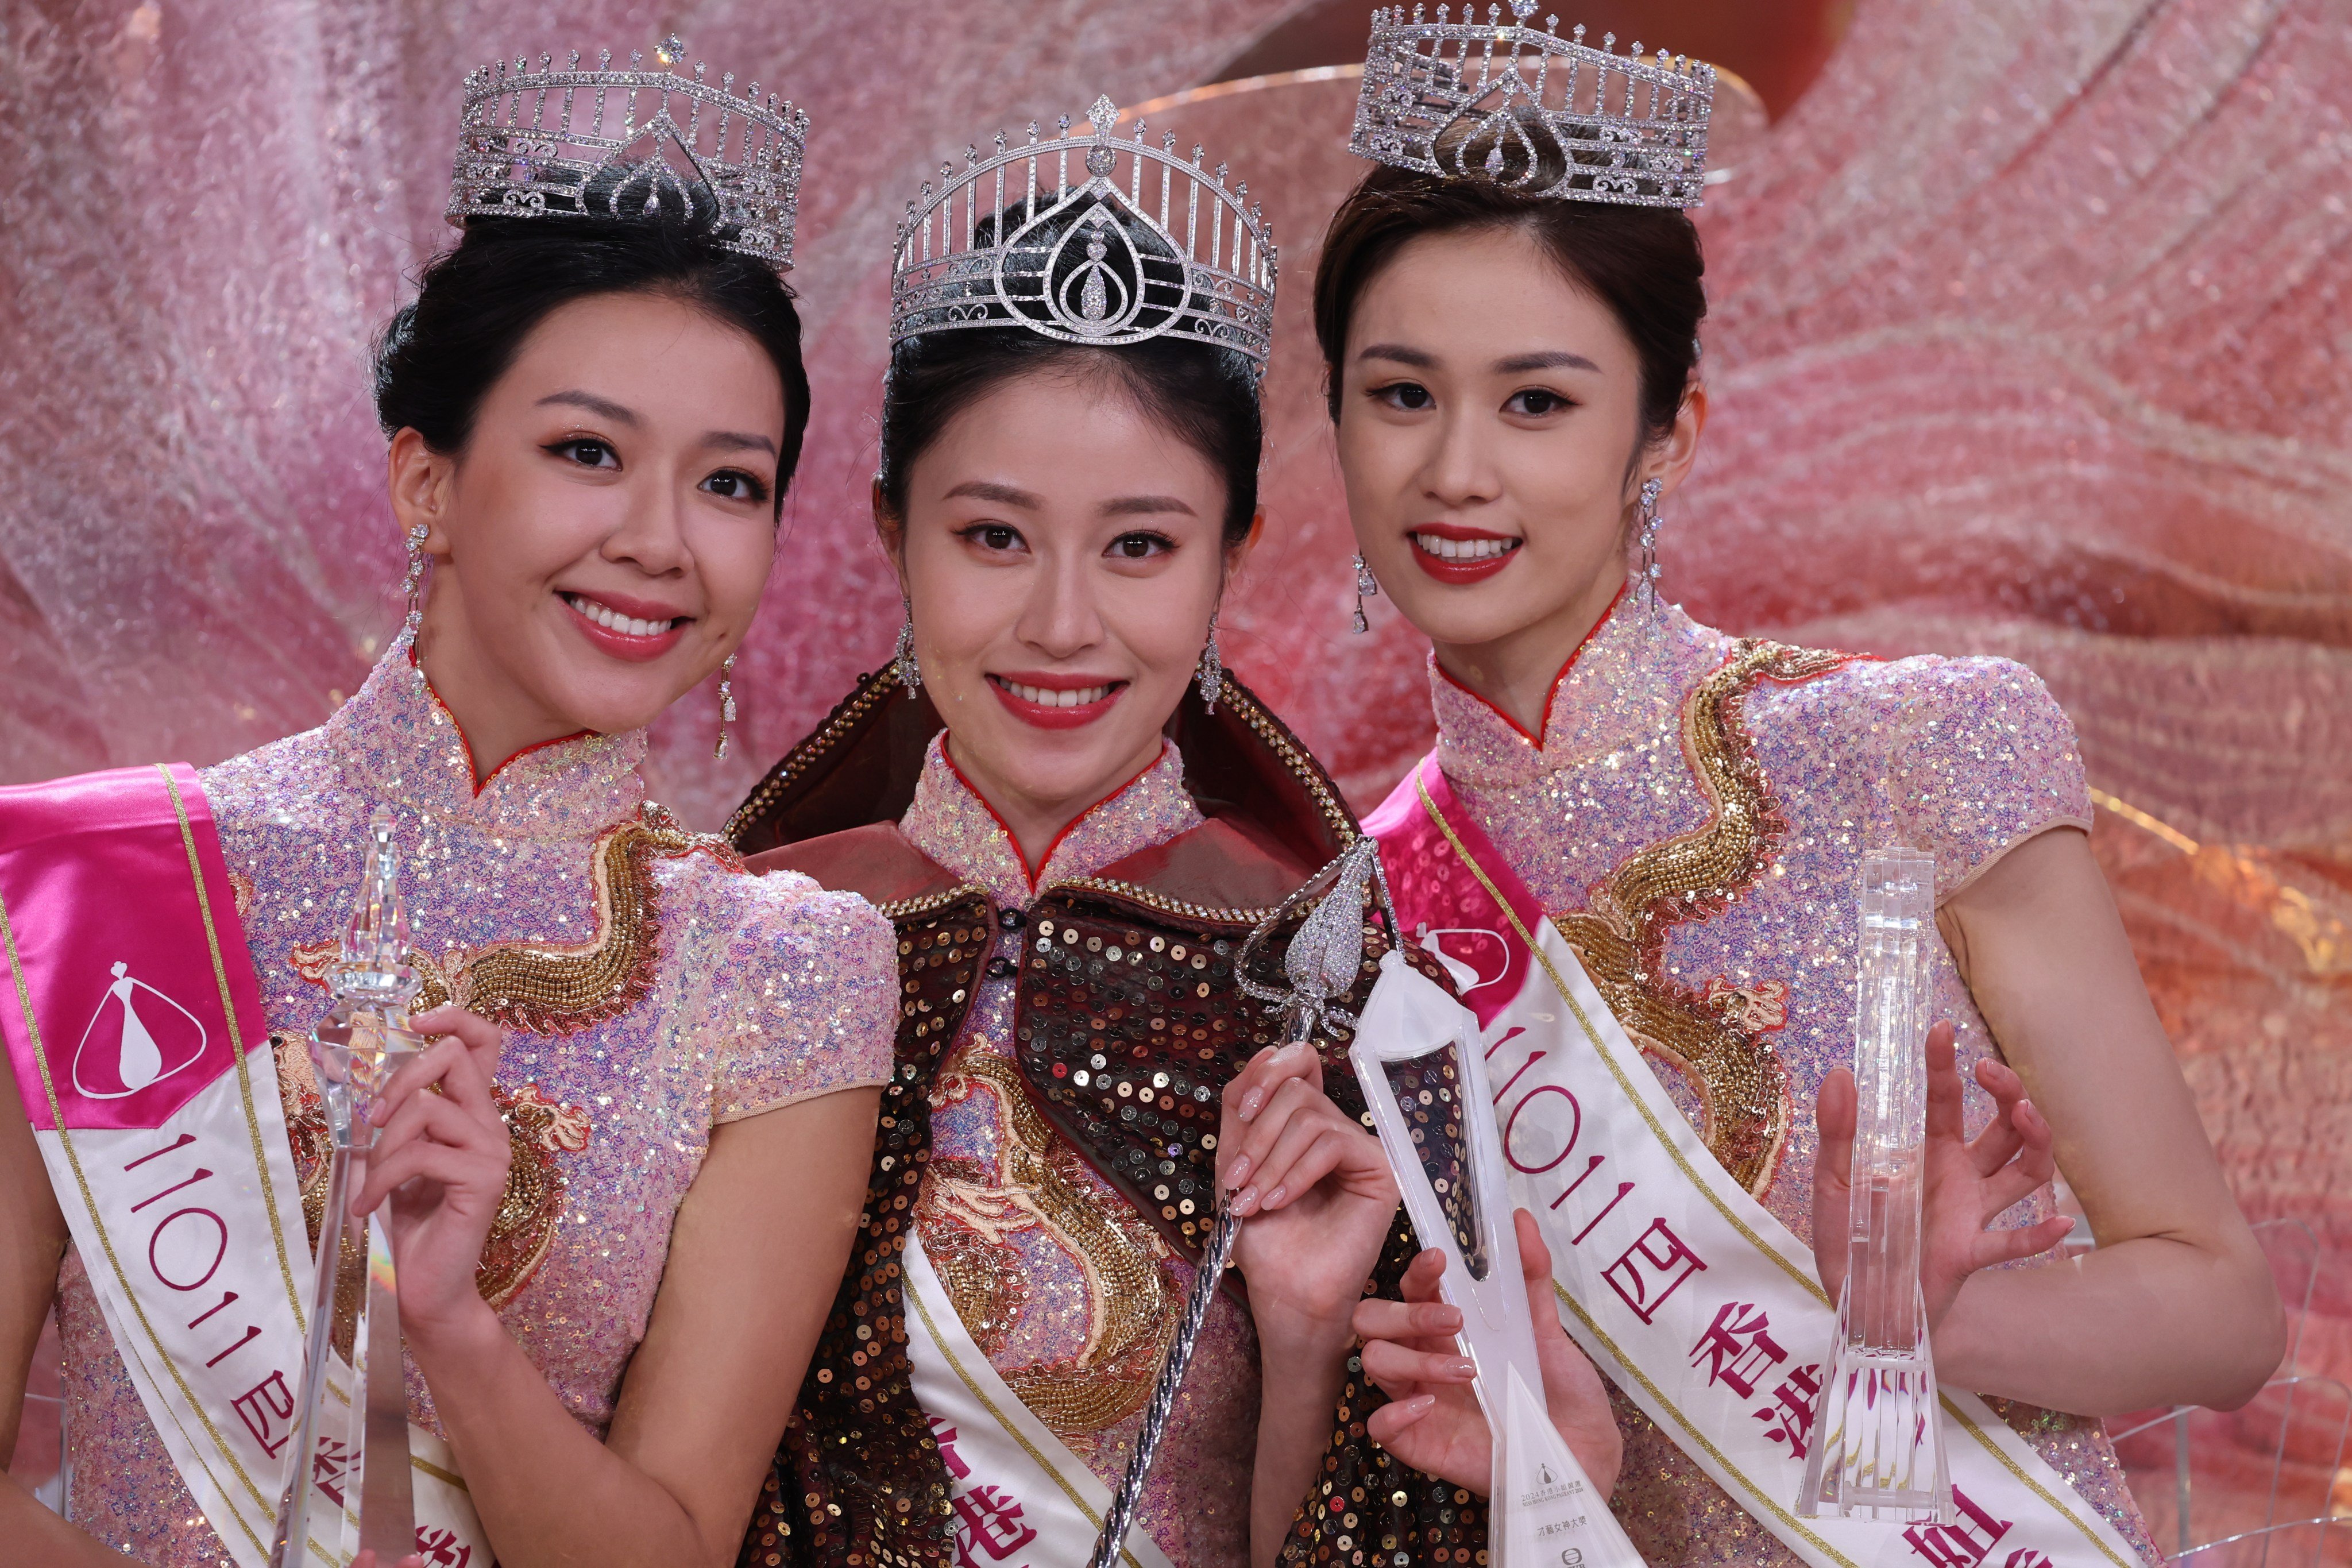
[
  {"x": 1063, "y": 1039},
  {"x": 1692, "y": 818},
  {"x": 653, "y": 990}
]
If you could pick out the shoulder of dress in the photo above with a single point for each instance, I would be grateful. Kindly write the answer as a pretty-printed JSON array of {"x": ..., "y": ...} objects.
[
  {"x": 1868, "y": 689},
  {"x": 263, "y": 785}
]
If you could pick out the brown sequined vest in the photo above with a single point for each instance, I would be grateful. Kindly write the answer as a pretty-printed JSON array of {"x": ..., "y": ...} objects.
[{"x": 858, "y": 1481}]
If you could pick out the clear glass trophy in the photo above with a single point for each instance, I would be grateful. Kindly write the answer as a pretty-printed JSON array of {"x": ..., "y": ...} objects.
[
  {"x": 1878, "y": 1450},
  {"x": 347, "y": 1485},
  {"x": 1416, "y": 1055}
]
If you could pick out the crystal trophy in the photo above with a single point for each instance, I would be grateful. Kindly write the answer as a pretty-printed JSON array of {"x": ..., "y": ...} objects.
[
  {"x": 349, "y": 1448},
  {"x": 1878, "y": 1450},
  {"x": 1426, "y": 1080}
]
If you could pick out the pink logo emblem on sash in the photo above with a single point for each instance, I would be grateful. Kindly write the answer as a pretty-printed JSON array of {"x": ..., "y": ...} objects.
[{"x": 133, "y": 1041}]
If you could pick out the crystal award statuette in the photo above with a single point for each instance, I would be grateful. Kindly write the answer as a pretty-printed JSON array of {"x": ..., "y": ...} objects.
[
  {"x": 356, "y": 1433},
  {"x": 1878, "y": 1450},
  {"x": 1416, "y": 1055}
]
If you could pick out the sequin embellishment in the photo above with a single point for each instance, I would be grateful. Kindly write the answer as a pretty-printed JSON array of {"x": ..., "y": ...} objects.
[{"x": 1621, "y": 934}]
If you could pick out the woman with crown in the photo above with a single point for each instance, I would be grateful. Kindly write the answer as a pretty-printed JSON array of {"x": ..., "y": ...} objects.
[
  {"x": 1075, "y": 819},
  {"x": 595, "y": 405},
  {"x": 1664, "y": 826}
]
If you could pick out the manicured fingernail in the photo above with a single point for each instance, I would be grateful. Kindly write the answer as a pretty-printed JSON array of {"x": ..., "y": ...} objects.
[
  {"x": 1421, "y": 1404},
  {"x": 1251, "y": 1102},
  {"x": 1240, "y": 1172},
  {"x": 1274, "y": 1199},
  {"x": 1462, "y": 1368},
  {"x": 1246, "y": 1202}
]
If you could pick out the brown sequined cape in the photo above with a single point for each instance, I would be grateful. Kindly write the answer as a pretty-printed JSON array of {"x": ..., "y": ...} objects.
[{"x": 858, "y": 1481}]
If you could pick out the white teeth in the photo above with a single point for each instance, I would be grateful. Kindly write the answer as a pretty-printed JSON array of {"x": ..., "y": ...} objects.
[
  {"x": 1464, "y": 549},
  {"x": 1047, "y": 697},
  {"x": 612, "y": 620}
]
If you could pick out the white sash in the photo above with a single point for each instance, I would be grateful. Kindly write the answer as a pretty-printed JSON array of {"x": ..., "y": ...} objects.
[
  {"x": 1020, "y": 1498},
  {"x": 1704, "y": 1309},
  {"x": 183, "y": 1230}
]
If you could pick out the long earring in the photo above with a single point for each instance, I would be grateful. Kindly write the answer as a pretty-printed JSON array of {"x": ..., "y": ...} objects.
[
  {"x": 1649, "y": 521},
  {"x": 414, "y": 620},
  {"x": 1210, "y": 676},
  {"x": 725, "y": 705},
  {"x": 910, "y": 674},
  {"x": 1366, "y": 587}
]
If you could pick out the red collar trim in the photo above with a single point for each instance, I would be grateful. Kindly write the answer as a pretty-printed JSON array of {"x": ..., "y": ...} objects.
[
  {"x": 483, "y": 782},
  {"x": 1030, "y": 873},
  {"x": 1552, "y": 695}
]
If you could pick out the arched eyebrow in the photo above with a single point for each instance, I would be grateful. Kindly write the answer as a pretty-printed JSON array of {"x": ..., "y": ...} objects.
[
  {"x": 1399, "y": 352},
  {"x": 1003, "y": 495},
  {"x": 604, "y": 408},
  {"x": 1548, "y": 359},
  {"x": 1147, "y": 506}
]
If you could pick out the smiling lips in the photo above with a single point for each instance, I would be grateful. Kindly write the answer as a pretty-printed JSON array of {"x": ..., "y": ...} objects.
[
  {"x": 626, "y": 629},
  {"x": 1451, "y": 554},
  {"x": 1055, "y": 701}
]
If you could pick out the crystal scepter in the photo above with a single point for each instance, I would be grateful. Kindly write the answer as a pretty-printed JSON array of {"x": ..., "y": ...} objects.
[
  {"x": 354, "y": 1049},
  {"x": 1322, "y": 962},
  {"x": 1879, "y": 1443}
]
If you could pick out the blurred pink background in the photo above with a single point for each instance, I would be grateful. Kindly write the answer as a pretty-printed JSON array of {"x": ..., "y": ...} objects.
[{"x": 2029, "y": 337}]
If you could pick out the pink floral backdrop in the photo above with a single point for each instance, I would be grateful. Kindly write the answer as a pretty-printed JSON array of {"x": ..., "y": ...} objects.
[{"x": 2029, "y": 337}]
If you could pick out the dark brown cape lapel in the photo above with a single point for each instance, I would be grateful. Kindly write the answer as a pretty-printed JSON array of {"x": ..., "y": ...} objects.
[{"x": 860, "y": 1480}]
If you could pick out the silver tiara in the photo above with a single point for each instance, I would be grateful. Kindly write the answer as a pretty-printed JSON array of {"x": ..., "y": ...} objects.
[
  {"x": 1532, "y": 112},
  {"x": 1169, "y": 251},
  {"x": 609, "y": 143}
]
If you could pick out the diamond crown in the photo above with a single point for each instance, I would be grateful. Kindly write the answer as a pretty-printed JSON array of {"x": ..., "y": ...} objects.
[
  {"x": 1532, "y": 112},
  {"x": 639, "y": 142},
  {"x": 1162, "y": 249}
]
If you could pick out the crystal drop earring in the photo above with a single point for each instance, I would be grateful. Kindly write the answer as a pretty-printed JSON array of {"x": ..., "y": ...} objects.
[
  {"x": 414, "y": 620},
  {"x": 725, "y": 705},
  {"x": 1210, "y": 676},
  {"x": 1649, "y": 521},
  {"x": 1366, "y": 587},
  {"x": 910, "y": 674}
]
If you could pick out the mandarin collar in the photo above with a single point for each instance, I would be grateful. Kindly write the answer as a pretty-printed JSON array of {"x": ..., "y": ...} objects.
[
  {"x": 1622, "y": 685},
  {"x": 406, "y": 745},
  {"x": 950, "y": 822}
]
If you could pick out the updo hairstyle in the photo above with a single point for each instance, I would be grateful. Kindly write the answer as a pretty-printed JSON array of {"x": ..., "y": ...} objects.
[
  {"x": 1642, "y": 263},
  {"x": 440, "y": 354}
]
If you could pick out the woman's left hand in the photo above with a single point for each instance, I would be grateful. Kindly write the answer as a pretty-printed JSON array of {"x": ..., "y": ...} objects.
[
  {"x": 1313, "y": 1185},
  {"x": 1968, "y": 1182},
  {"x": 441, "y": 1158}
]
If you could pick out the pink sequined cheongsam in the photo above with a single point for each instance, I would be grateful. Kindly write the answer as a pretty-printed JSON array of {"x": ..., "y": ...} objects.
[
  {"x": 652, "y": 989},
  {"x": 1692, "y": 818}
]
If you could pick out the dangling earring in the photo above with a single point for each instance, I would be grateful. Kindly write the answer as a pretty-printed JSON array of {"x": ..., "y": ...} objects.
[
  {"x": 414, "y": 620},
  {"x": 1366, "y": 588},
  {"x": 725, "y": 705},
  {"x": 910, "y": 674},
  {"x": 1211, "y": 676},
  {"x": 1649, "y": 521}
]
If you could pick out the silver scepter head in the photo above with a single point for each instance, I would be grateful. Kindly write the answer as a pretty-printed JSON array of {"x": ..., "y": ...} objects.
[{"x": 1326, "y": 952}]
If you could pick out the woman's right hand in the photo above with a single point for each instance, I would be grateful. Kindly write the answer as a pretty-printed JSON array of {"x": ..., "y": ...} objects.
[{"x": 1432, "y": 1422}]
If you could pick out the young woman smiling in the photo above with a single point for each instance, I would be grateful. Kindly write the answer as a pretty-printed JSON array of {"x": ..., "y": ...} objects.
[
  {"x": 1075, "y": 818},
  {"x": 1512, "y": 360},
  {"x": 591, "y": 415}
]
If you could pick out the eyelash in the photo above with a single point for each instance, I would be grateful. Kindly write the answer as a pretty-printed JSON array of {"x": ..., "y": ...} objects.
[
  {"x": 1395, "y": 389},
  {"x": 754, "y": 487},
  {"x": 1162, "y": 544},
  {"x": 1559, "y": 400}
]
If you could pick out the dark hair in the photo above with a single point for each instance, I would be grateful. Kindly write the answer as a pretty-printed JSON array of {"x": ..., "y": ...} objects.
[
  {"x": 1205, "y": 395},
  {"x": 1643, "y": 263},
  {"x": 440, "y": 354}
]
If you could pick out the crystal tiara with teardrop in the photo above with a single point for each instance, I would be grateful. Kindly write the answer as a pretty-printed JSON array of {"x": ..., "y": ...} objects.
[
  {"x": 1532, "y": 112},
  {"x": 1096, "y": 254},
  {"x": 564, "y": 141}
]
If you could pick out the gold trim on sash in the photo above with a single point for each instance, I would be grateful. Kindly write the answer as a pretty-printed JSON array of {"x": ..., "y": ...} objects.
[{"x": 1812, "y": 1287}]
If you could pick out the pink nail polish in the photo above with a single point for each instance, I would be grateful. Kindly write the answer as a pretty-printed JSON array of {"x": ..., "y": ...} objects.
[
  {"x": 1245, "y": 1201},
  {"x": 1240, "y": 1172},
  {"x": 1274, "y": 1199}
]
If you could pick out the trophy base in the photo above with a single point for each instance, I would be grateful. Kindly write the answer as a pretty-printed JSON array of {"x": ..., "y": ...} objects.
[{"x": 1878, "y": 1452}]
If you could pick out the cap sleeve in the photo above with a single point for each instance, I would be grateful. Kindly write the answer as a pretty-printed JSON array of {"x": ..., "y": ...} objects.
[
  {"x": 806, "y": 986},
  {"x": 1983, "y": 758}
]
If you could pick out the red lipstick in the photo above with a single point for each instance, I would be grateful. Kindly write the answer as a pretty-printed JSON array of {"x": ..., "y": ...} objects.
[
  {"x": 1049, "y": 716},
  {"x": 623, "y": 645},
  {"x": 1460, "y": 572}
]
